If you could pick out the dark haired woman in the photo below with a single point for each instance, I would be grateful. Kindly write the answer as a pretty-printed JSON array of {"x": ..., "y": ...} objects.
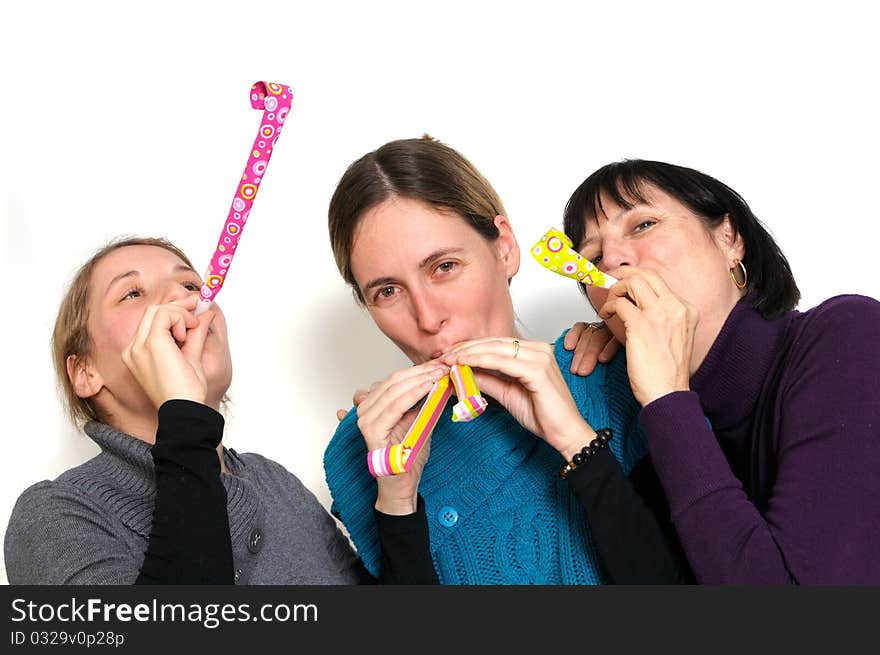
[{"x": 763, "y": 423}]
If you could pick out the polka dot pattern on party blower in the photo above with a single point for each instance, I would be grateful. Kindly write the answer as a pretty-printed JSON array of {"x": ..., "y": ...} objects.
[
  {"x": 275, "y": 100},
  {"x": 556, "y": 253}
]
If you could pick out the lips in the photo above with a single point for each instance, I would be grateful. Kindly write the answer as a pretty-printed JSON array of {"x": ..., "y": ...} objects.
[{"x": 445, "y": 347}]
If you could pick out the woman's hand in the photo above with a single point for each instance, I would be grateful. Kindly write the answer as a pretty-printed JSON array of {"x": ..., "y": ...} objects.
[
  {"x": 527, "y": 381},
  {"x": 591, "y": 342},
  {"x": 165, "y": 355},
  {"x": 356, "y": 399},
  {"x": 659, "y": 333},
  {"x": 384, "y": 416}
]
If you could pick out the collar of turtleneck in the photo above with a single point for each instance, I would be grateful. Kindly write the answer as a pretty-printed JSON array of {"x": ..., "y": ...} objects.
[
  {"x": 125, "y": 478},
  {"x": 132, "y": 457},
  {"x": 730, "y": 379}
]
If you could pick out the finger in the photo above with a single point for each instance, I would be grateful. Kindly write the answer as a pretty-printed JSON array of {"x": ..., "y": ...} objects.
[
  {"x": 143, "y": 329},
  {"x": 637, "y": 289},
  {"x": 194, "y": 343},
  {"x": 189, "y": 302},
  {"x": 609, "y": 351},
  {"x": 491, "y": 385},
  {"x": 159, "y": 319},
  {"x": 624, "y": 309},
  {"x": 340, "y": 414},
  {"x": 376, "y": 424},
  {"x": 397, "y": 398},
  {"x": 359, "y": 396},
  {"x": 584, "y": 359},
  {"x": 655, "y": 282},
  {"x": 586, "y": 353},
  {"x": 572, "y": 337},
  {"x": 529, "y": 367},
  {"x": 475, "y": 343},
  {"x": 498, "y": 345},
  {"x": 398, "y": 432},
  {"x": 174, "y": 319},
  {"x": 611, "y": 305},
  {"x": 579, "y": 349},
  {"x": 386, "y": 393},
  {"x": 404, "y": 374}
]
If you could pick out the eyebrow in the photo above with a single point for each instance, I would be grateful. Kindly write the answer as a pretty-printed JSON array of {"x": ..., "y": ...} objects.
[
  {"x": 135, "y": 273},
  {"x": 427, "y": 261},
  {"x": 588, "y": 240}
]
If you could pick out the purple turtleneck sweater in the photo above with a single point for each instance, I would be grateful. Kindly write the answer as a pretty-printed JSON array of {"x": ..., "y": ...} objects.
[{"x": 784, "y": 485}]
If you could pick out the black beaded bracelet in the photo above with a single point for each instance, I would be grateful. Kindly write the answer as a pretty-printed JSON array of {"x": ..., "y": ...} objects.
[{"x": 603, "y": 436}]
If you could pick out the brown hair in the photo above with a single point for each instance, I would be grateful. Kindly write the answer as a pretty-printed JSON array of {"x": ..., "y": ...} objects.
[
  {"x": 419, "y": 169},
  {"x": 71, "y": 334}
]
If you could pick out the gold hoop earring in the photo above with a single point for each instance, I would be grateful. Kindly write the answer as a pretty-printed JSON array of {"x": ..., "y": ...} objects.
[{"x": 745, "y": 281}]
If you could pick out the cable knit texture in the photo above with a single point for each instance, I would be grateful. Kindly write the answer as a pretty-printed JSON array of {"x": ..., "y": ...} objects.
[
  {"x": 91, "y": 524},
  {"x": 517, "y": 522}
]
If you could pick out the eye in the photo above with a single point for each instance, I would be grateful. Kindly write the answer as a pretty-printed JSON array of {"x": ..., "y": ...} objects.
[
  {"x": 446, "y": 267},
  {"x": 192, "y": 286},
  {"x": 385, "y": 293},
  {"x": 596, "y": 260},
  {"x": 134, "y": 292},
  {"x": 644, "y": 225}
]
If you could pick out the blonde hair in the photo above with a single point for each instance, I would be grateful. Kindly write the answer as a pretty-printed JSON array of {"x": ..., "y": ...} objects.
[{"x": 71, "y": 333}]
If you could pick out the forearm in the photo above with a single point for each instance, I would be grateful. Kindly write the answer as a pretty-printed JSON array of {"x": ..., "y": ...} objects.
[
  {"x": 632, "y": 545},
  {"x": 189, "y": 541},
  {"x": 725, "y": 537},
  {"x": 406, "y": 548}
]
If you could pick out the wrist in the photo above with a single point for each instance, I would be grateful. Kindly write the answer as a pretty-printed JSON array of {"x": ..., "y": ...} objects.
[
  {"x": 603, "y": 436},
  {"x": 573, "y": 444},
  {"x": 648, "y": 398},
  {"x": 396, "y": 506},
  {"x": 162, "y": 398}
]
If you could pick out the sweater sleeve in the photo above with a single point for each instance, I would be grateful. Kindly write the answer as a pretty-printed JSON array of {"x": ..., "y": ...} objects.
[
  {"x": 189, "y": 541},
  {"x": 393, "y": 549},
  {"x": 821, "y": 522},
  {"x": 629, "y": 522},
  {"x": 406, "y": 548}
]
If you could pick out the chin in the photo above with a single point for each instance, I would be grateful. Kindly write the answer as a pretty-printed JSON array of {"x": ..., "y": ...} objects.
[
  {"x": 218, "y": 384},
  {"x": 615, "y": 325}
]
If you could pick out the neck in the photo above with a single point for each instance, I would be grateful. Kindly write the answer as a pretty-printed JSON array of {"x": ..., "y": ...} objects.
[
  {"x": 733, "y": 373},
  {"x": 145, "y": 425},
  {"x": 708, "y": 329}
]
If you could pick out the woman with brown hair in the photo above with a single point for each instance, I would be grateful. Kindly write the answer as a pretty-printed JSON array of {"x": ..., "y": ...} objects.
[{"x": 508, "y": 498}]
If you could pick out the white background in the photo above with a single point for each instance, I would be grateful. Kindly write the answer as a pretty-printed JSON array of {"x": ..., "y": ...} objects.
[{"x": 122, "y": 118}]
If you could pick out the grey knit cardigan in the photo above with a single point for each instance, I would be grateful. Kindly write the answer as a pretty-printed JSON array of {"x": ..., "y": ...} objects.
[{"x": 91, "y": 524}]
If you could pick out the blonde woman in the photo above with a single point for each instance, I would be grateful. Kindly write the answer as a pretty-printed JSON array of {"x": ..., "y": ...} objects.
[{"x": 164, "y": 501}]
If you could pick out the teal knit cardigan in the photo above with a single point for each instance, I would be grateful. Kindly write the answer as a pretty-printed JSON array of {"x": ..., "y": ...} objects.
[{"x": 498, "y": 513}]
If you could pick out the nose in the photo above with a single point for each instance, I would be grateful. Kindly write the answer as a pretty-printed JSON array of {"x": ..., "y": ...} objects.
[
  {"x": 429, "y": 310},
  {"x": 175, "y": 293},
  {"x": 617, "y": 253}
]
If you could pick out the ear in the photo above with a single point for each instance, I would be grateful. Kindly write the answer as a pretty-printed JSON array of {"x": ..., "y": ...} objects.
[
  {"x": 730, "y": 241},
  {"x": 84, "y": 377},
  {"x": 507, "y": 246}
]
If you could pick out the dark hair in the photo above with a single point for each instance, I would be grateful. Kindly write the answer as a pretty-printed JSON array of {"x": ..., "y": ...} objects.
[
  {"x": 771, "y": 284},
  {"x": 420, "y": 169}
]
